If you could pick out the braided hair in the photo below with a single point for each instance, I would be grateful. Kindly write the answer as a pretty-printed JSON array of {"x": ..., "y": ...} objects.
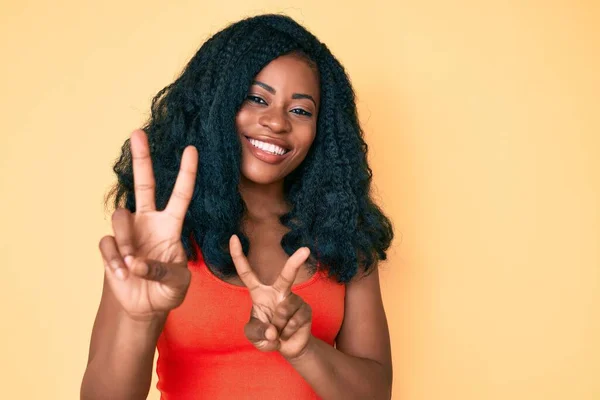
[{"x": 331, "y": 213}]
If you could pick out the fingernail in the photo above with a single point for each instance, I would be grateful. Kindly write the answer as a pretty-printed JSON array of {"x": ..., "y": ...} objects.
[
  {"x": 128, "y": 261},
  {"x": 120, "y": 273},
  {"x": 270, "y": 334}
]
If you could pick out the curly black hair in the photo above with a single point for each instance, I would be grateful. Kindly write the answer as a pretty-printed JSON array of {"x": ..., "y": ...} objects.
[{"x": 331, "y": 211}]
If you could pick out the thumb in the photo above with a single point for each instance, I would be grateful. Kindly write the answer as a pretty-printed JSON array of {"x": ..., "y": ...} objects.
[
  {"x": 262, "y": 334},
  {"x": 172, "y": 275}
]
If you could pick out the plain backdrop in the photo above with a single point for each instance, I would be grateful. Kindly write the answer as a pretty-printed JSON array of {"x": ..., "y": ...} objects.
[{"x": 484, "y": 133}]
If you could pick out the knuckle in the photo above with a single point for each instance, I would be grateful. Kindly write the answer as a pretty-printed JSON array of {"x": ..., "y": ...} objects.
[
  {"x": 187, "y": 279},
  {"x": 174, "y": 216},
  {"x": 282, "y": 312},
  {"x": 144, "y": 209},
  {"x": 142, "y": 155},
  {"x": 253, "y": 330},
  {"x": 295, "y": 299},
  {"x": 279, "y": 288},
  {"x": 126, "y": 244},
  {"x": 156, "y": 270},
  {"x": 191, "y": 172},
  {"x": 245, "y": 274},
  {"x": 143, "y": 187},
  {"x": 115, "y": 262},
  {"x": 182, "y": 195},
  {"x": 307, "y": 311}
]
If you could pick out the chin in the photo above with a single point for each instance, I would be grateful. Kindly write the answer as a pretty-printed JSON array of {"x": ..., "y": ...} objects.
[{"x": 260, "y": 177}]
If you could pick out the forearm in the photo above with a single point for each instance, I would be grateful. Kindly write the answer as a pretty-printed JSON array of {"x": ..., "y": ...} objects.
[
  {"x": 334, "y": 375},
  {"x": 122, "y": 367}
]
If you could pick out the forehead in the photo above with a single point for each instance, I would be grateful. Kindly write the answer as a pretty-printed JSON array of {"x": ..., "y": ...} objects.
[{"x": 290, "y": 73}]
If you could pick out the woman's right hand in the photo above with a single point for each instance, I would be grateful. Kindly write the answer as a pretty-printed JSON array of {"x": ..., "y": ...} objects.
[{"x": 145, "y": 262}]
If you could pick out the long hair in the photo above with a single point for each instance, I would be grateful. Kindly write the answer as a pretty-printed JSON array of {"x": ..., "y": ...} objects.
[{"x": 331, "y": 212}]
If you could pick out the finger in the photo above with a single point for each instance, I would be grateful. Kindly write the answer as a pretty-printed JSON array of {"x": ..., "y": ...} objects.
[
  {"x": 113, "y": 262},
  {"x": 285, "y": 310},
  {"x": 143, "y": 176},
  {"x": 241, "y": 264},
  {"x": 302, "y": 317},
  {"x": 262, "y": 334},
  {"x": 184, "y": 185},
  {"x": 172, "y": 275},
  {"x": 122, "y": 222},
  {"x": 286, "y": 278}
]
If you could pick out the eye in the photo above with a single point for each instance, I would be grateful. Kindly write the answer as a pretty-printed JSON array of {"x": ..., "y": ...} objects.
[
  {"x": 255, "y": 99},
  {"x": 300, "y": 111}
]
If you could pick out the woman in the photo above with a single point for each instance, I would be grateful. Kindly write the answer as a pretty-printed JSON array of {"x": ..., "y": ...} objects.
[{"x": 258, "y": 279}]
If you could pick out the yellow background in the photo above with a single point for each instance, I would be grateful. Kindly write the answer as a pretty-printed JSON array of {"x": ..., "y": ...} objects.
[{"x": 483, "y": 123}]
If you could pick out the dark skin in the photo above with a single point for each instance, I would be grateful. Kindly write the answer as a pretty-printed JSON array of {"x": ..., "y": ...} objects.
[{"x": 146, "y": 271}]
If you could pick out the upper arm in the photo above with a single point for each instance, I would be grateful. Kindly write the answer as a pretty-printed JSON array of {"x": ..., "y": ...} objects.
[{"x": 364, "y": 332}]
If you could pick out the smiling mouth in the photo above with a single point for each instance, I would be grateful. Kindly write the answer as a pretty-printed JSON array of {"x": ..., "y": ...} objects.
[{"x": 268, "y": 147}]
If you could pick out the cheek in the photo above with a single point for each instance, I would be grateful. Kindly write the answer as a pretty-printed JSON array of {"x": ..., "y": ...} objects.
[
  {"x": 308, "y": 139},
  {"x": 242, "y": 119},
  {"x": 305, "y": 144}
]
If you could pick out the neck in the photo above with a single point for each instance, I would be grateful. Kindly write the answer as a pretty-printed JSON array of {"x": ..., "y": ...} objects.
[{"x": 263, "y": 201}]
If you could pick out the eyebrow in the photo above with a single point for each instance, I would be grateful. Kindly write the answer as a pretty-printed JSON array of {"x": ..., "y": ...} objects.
[{"x": 294, "y": 96}]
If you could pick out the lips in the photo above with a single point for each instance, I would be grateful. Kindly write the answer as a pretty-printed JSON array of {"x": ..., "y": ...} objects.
[
  {"x": 270, "y": 140},
  {"x": 265, "y": 155},
  {"x": 268, "y": 147}
]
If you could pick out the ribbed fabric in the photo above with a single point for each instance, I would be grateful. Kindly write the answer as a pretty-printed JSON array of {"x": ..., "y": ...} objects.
[{"x": 203, "y": 353}]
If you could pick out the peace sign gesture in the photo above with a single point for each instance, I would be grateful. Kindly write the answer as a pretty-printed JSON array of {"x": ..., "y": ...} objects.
[
  {"x": 145, "y": 262},
  {"x": 279, "y": 320}
]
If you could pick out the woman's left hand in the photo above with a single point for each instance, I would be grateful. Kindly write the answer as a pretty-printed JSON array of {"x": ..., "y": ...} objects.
[{"x": 279, "y": 320}]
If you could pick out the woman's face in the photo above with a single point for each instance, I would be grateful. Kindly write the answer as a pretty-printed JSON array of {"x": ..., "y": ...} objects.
[{"x": 277, "y": 122}]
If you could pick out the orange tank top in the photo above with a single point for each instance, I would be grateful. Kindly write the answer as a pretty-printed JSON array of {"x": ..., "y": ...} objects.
[{"x": 204, "y": 354}]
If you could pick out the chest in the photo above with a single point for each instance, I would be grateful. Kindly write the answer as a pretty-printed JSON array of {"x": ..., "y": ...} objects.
[
  {"x": 213, "y": 315},
  {"x": 266, "y": 256}
]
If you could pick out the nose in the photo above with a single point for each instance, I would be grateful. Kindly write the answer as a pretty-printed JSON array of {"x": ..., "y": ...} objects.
[{"x": 276, "y": 120}]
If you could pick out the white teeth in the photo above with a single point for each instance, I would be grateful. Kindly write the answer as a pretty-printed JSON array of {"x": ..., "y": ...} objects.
[{"x": 270, "y": 148}]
